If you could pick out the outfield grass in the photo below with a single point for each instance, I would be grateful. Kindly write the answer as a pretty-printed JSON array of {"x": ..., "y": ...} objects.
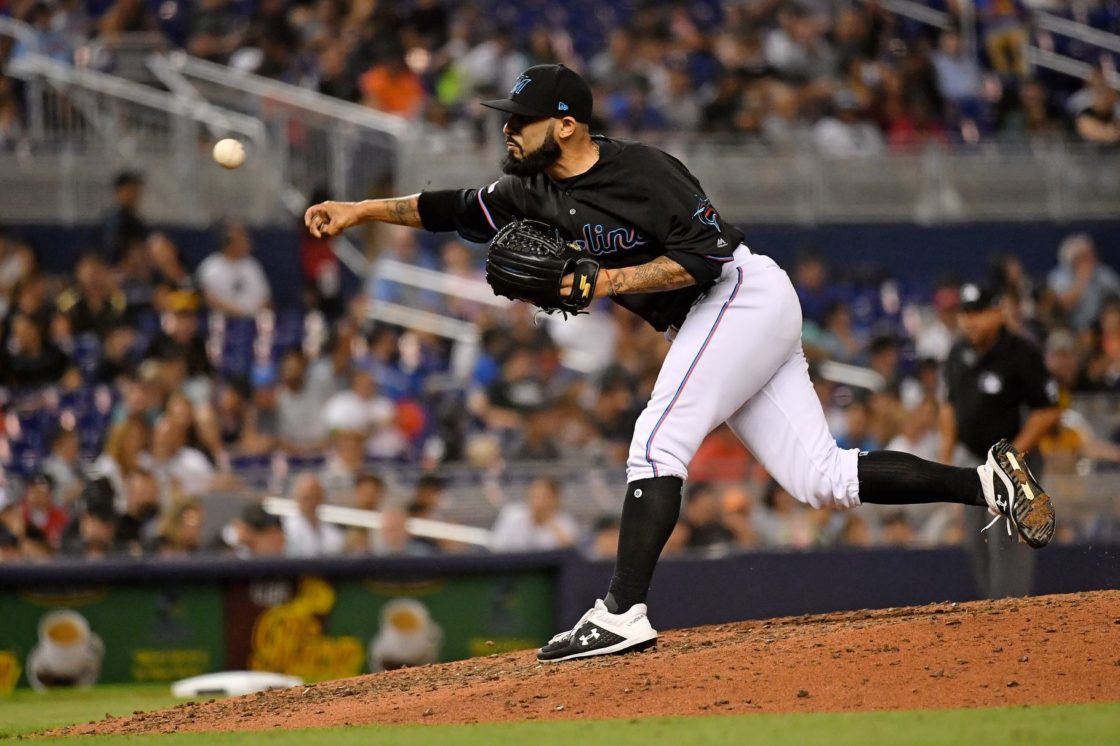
[{"x": 1075, "y": 725}]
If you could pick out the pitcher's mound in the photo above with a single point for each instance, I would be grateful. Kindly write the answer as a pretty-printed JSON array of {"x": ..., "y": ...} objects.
[{"x": 1049, "y": 649}]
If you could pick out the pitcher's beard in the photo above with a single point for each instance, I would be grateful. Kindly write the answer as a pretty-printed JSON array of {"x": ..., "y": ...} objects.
[{"x": 533, "y": 163}]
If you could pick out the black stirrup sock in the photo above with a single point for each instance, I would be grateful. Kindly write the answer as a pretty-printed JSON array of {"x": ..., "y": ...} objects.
[
  {"x": 649, "y": 514},
  {"x": 895, "y": 478}
]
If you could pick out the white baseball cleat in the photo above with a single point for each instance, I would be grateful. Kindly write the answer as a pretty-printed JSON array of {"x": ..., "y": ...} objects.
[
  {"x": 1012, "y": 493},
  {"x": 599, "y": 632}
]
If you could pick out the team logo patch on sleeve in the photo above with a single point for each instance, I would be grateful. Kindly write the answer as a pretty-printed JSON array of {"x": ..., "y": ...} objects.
[{"x": 705, "y": 213}]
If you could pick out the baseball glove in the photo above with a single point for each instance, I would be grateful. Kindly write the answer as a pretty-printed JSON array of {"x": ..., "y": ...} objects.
[{"x": 527, "y": 261}]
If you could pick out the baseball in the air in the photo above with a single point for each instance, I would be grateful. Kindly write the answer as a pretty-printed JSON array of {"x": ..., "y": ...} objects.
[{"x": 229, "y": 153}]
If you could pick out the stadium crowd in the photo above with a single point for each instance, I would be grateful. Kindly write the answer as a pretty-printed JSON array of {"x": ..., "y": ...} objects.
[
  {"x": 848, "y": 78},
  {"x": 136, "y": 387}
]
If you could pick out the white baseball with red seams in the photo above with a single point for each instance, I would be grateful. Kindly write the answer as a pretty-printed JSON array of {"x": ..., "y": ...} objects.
[{"x": 737, "y": 358}]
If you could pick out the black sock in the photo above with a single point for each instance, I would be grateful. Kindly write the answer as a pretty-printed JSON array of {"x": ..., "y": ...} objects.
[
  {"x": 649, "y": 514},
  {"x": 895, "y": 478}
]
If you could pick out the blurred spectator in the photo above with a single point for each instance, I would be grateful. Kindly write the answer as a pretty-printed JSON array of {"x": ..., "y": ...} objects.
[
  {"x": 1080, "y": 282},
  {"x": 782, "y": 521},
  {"x": 97, "y": 523},
  {"x": 168, "y": 271},
  {"x": 216, "y": 30},
  {"x": 232, "y": 280},
  {"x": 919, "y": 435},
  {"x": 237, "y": 421},
  {"x": 362, "y": 409},
  {"x": 857, "y": 431},
  {"x": 393, "y": 88},
  {"x": 936, "y": 338},
  {"x": 259, "y": 533},
  {"x": 11, "y": 116},
  {"x": 305, "y": 535},
  {"x": 179, "y": 339},
  {"x": 816, "y": 293},
  {"x": 176, "y": 465},
  {"x": 29, "y": 297},
  {"x": 300, "y": 403},
  {"x": 64, "y": 467},
  {"x": 537, "y": 524},
  {"x": 1099, "y": 121},
  {"x": 604, "y": 538},
  {"x": 117, "y": 359},
  {"x": 28, "y": 360},
  {"x": 344, "y": 462},
  {"x": 93, "y": 305},
  {"x": 845, "y": 134},
  {"x": 17, "y": 262},
  {"x": 394, "y": 540},
  {"x": 137, "y": 526},
  {"x": 897, "y": 530},
  {"x": 121, "y": 226},
  {"x": 40, "y": 511},
  {"x": 1004, "y": 24},
  {"x": 536, "y": 439},
  {"x": 959, "y": 78},
  {"x": 428, "y": 497},
  {"x": 180, "y": 529},
  {"x": 121, "y": 455},
  {"x": 884, "y": 357},
  {"x": 702, "y": 517},
  {"x": 369, "y": 494}
]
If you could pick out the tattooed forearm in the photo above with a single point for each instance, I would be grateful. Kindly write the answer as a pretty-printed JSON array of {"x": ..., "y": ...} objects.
[
  {"x": 660, "y": 274},
  {"x": 400, "y": 211}
]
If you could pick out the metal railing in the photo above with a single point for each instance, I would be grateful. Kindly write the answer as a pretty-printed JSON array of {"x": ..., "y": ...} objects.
[{"x": 83, "y": 125}]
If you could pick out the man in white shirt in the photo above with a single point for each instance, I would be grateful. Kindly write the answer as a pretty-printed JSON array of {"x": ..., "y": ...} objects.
[
  {"x": 172, "y": 461},
  {"x": 362, "y": 409},
  {"x": 233, "y": 282},
  {"x": 304, "y": 534},
  {"x": 537, "y": 524}
]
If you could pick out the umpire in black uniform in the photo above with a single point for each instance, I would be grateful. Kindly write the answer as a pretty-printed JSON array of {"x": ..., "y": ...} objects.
[{"x": 996, "y": 387}]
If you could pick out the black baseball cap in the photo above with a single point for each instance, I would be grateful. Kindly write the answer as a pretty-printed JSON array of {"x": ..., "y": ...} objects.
[
  {"x": 547, "y": 91},
  {"x": 978, "y": 297}
]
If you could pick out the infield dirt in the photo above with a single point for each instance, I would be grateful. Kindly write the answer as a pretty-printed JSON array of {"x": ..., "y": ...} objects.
[{"x": 1043, "y": 650}]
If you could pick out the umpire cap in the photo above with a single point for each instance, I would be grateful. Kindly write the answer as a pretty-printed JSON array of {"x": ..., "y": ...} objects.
[{"x": 545, "y": 91}]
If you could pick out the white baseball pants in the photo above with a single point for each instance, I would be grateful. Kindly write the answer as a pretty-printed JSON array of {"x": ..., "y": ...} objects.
[{"x": 737, "y": 358}]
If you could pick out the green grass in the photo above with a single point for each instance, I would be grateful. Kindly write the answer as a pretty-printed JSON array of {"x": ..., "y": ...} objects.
[
  {"x": 27, "y": 711},
  {"x": 1076, "y": 725}
]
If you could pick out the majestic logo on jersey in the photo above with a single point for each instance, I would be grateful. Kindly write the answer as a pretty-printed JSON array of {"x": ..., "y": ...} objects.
[
  {"x": 705, "y": 213},
  {"x": 596, "y": 239},
  {"x": 519, "y": 86}
]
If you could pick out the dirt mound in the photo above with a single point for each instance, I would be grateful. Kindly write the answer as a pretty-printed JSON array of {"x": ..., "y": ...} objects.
[{"x": 1050, "y": 649}]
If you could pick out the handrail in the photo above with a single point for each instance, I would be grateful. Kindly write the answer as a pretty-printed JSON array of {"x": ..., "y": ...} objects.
[
  {"x": 917, "y": 11},
  {"x": 343, "y": 516},
  {"x": 290, "y": 95},
  {"x": 1075, "y": 30},
  {"x": 58, "y": 72},
  {"x": 1069, "y": 65},
  {"x": 18, "y": 30},
  {"x": 440, "y": 282},
  {"x": 425, "y": 321}
]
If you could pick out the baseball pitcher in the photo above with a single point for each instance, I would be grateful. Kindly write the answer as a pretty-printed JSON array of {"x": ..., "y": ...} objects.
[{"x": 578, "y": 217}]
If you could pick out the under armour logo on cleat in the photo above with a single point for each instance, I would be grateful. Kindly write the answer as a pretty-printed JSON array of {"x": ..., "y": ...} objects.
[{"x": 592, "y": 635}]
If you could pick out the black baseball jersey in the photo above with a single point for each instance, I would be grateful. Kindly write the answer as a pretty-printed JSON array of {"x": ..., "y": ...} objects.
[
  {"x": 991, "y": 391},
  {"x": 635, "y": 204}
]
